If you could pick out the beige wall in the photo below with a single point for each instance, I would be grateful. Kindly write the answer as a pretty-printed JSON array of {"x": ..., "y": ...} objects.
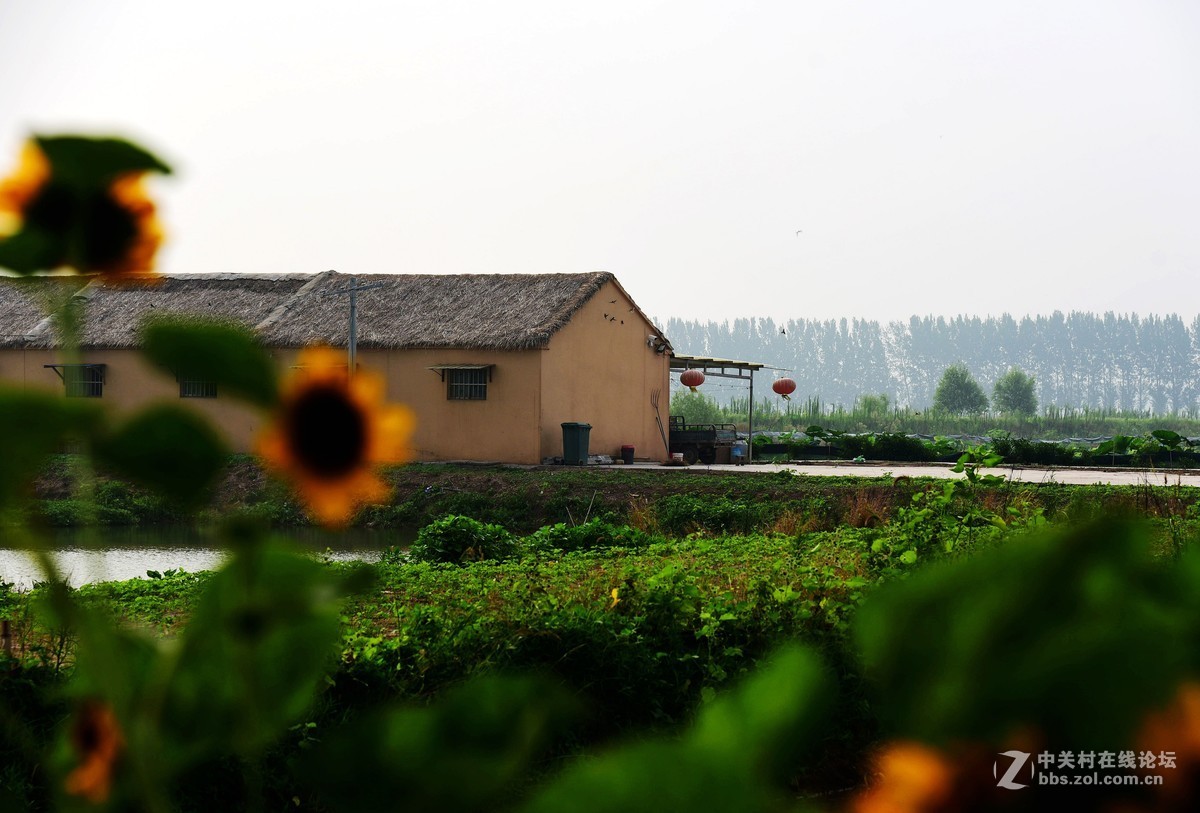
[
  {"x": 601, "y": 372},
  {"x": 501, "y": 428},
  {"x": 129, "y": 383}
]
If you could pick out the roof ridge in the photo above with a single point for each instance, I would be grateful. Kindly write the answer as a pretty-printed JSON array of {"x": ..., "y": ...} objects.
[
  {"x": 281, "y": 309},
  {"x": 44, "y": 326}
]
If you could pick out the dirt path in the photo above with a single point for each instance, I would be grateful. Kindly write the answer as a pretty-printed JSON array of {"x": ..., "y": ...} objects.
[{"x": 1072, "y": 476}]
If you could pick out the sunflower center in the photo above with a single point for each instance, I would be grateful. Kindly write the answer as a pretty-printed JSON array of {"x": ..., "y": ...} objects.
[
  {"x": 85, "y": 733},
  {"x": 327, "y": 432},
  {"x": 106, "y": 228}
]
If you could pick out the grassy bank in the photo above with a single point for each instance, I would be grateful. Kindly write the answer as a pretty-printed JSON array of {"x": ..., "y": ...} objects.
[
  {"x": 654, "y": 596},
  {"x": 524, "y": 499}
]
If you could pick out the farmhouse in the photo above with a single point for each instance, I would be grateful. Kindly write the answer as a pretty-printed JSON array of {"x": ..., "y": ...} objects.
[{"x": 492, "y": 365}]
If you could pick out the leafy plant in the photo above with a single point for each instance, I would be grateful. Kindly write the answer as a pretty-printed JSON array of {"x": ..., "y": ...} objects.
[
  {"x": 958, "y": 392},
  {"x": 458, "y": 539}
]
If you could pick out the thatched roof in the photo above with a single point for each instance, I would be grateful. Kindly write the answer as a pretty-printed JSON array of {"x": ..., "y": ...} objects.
[
  {"x": 472, "y": 311},
  {"x": 24, "y": 303},
  {"x": 476, "y": 311},
  {"x": 114, "y": 311}
]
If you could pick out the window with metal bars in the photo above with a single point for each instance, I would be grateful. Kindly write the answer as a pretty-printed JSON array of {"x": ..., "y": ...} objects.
[
  {"x": 197, "y": 388},
  {"x": 466, "y": 385},
  {"x": 84, "y": 380}
]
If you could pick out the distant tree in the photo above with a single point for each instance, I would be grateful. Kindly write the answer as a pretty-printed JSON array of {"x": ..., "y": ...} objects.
[
  {"x": 1014, "y": 392},
  {"x": 959, "y": 392},
  {"x": 696, "y": 407},
  {"x": 873, "y": 405}
]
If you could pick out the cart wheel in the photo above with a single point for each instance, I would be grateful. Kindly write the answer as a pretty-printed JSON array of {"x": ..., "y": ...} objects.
[{"x": 689, "y": 455}]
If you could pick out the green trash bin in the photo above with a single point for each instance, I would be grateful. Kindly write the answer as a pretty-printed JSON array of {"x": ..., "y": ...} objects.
[{"x": 575, "y": 443}]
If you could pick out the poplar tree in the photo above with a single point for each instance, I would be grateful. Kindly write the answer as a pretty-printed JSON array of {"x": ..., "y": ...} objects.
[{"x": 959, "y": 392}]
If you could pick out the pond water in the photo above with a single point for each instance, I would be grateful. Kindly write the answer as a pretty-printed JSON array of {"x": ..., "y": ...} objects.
[{"x": 87, "y": 555}]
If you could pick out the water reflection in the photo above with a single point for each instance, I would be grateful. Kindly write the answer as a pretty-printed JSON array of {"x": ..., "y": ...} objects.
[{"x": 87, "y": 555}]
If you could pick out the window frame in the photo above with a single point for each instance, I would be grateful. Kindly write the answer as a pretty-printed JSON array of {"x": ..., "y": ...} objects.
[
  {"x": 473, "y": 385},
  {"x": 196, "y": 387},
  {"x": 84, "y": 380},
  {"x": 466, "y": 382}
]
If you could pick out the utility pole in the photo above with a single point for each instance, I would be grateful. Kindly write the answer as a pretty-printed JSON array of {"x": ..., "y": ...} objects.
[{"x": 353, "y": 292}]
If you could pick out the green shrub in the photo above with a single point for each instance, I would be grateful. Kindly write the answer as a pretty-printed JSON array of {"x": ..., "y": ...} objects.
[
  {"x": 886, "y": 446},
  {"x": 681, "y": 514},
  {"x": 73, "y": 513},
  {"x": 594, "y": 535},
  {"x": 458, "y": 539}
]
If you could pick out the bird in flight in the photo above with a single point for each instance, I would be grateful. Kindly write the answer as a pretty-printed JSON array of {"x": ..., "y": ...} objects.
[{"x": 783, "y": 330}]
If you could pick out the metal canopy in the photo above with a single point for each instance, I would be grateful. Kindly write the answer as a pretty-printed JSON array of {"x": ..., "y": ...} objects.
[
  {"x": 58, "y": 369},
  {"x": 441, "y": 369},
  {"x": 724, "y": 368},
  {"x": 719, "y": 368}
]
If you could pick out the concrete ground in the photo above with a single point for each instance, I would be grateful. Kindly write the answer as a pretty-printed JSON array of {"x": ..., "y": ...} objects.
[{"x": 1075, "y": 476}]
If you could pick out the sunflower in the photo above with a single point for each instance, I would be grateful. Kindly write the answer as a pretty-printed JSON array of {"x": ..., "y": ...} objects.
[
  {"x": 18, "y": 189},
  {"x": 911, "y": 778},
  {"x": 96, "y": 740},
  {"x": 90, "y": 220},
  {"x": 1172, "y": 736},
  {"x": 328, "y": 432}
]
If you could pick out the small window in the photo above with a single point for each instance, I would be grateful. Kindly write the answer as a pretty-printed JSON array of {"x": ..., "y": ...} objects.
[
  {"x": 81, "y": 380},
  {"x": 197, "y": 388},
  {"x": 466, "y": 385}
]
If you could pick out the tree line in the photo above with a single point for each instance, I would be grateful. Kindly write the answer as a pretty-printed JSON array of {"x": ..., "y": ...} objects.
[{"x": 1117, "y": 362}]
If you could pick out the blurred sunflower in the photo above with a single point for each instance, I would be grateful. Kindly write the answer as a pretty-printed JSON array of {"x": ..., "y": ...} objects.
[
  {"x": 80, "y": 203},
  {"x": 328, "y": 432},
  {"x": 911, "y": 778},
  {"x": 18, "y": 189},
  {"x": 96, "y": 740},
  {"x": 1175, "y": 731}
]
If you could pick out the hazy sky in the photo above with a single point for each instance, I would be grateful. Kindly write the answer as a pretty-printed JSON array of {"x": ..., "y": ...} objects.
[{"x": 939, "y": 157}]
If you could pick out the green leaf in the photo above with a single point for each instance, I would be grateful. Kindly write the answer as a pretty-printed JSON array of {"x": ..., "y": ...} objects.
[
  {"x": 34, "y": 426},
  {"x": 971, "y": 652},
  {"x": 1167, "y": 437},
  {"x": 771, "y": 717},
  {"x": 90, "y": 162},
  {"x": 168, "y": 449},
  {"x": 31, "y": 250},
  {"x": 909, "y": 557},
  {"x": 211, "y": 350},
  {"x": 738, "y": 756},
  {"x": 463, "y": 753},
  {"x": 254, "y": 653}
]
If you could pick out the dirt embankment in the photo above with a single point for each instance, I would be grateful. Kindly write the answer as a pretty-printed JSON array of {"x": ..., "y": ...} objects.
[{"x": 525, "y": 498}]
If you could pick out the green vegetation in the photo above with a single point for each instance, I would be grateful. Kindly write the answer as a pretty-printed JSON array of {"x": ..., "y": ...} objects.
[
  {"x": 1015, "y": 393},
  {"x": 457, "y": 540},
  {"x": 1052, "y": 423},
  {"x": 631, "y": 631},
  {"x": 959, "y": 393}
]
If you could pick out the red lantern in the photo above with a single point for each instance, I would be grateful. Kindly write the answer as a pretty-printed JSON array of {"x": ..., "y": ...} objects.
[
  {"x": 784, "y": 387},
  {"x": 691, "y": 379}
]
